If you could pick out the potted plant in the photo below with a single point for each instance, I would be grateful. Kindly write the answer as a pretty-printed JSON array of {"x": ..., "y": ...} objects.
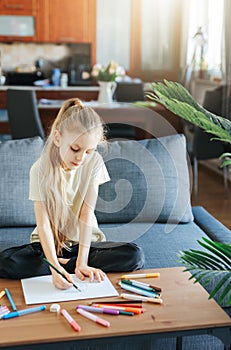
[{"x": 213, "y": 263}]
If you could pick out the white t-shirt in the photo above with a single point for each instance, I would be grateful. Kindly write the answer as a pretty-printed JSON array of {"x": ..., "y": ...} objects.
[{"x": 92, "y": 172}]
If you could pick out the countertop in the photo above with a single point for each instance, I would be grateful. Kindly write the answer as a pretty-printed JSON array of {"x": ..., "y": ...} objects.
[
  {"x": 50, "y": 88},
  {"x": 147, "y": 87},
  {"x": 51, "y": 104}
]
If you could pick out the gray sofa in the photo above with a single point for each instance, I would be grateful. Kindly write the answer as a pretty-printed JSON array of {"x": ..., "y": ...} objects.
[{"x": 146, "y": 201}]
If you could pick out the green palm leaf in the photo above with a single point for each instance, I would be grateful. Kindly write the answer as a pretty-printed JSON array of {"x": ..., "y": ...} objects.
[
  {"x": 220, "y": 286},
  {"x": 178, "y": 100},
  {"x": 221, "y": 252},
  {"x": 206, "y": 265},
  {"x": 209, "y": 260},
  {"x": 205, "y": 275}
]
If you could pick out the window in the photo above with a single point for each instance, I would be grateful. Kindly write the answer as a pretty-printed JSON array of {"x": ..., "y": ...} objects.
[
  {"x": 157, "y": 35},
  {"x": 152, "y": 39},
  {"x": 113, "y": 32},
  {"x": 209, "y": 16}
]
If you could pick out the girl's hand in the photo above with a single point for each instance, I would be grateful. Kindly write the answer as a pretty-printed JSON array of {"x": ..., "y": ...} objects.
[
  {"x": 91, "y": 272},
  {"x": 60, "y": 282}
]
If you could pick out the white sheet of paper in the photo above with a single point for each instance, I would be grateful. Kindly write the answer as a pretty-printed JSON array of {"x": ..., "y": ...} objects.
[{"x": 39, "y": 290}]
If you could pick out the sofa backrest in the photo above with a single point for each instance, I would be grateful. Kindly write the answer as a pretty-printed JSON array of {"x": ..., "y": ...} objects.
[
  {"x": 16, "y": 159},
  {"x": 149, "y": 182}
]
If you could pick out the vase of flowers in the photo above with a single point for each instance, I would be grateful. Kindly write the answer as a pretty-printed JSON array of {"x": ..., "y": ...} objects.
[{"x": 106, "y": 78}]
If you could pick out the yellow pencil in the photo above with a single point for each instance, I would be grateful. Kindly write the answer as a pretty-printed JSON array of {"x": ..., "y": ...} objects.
[{"x": 2, "y": 293}]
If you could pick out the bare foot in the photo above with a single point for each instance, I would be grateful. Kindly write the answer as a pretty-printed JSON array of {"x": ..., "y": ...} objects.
[{"x": 63, "y": 261}]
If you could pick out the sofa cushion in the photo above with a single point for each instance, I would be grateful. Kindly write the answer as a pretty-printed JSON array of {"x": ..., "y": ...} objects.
[
  {"x": 149, "y": 182},
  {"x": 161, "y": 249},
  {"x": 16, "y": 159},
  {"x": 14, "y": 236}
]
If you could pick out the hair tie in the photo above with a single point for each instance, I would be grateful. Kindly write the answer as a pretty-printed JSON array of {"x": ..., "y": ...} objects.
[{"x": 72, "y": 104}]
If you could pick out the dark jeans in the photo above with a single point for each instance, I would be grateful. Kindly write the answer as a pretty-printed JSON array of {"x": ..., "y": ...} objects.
[{"x": 27, "y": 260}]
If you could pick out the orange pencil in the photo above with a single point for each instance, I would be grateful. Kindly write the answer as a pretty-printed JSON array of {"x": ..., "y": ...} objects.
[{"x": 129, "y": 309}]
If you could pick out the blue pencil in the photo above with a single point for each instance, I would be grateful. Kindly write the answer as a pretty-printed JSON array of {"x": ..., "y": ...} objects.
[
  {"x": 10, "y": 300},
  {"x": 138, "y": 290},
  {"x": 23, "y": 312}
]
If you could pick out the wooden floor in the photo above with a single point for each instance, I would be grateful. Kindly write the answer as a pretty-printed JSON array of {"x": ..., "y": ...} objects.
[{"x": 211, "y": 195}]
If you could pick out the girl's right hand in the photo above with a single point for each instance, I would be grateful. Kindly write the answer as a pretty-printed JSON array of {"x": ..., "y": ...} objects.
[{"x": 60, "y": 282}]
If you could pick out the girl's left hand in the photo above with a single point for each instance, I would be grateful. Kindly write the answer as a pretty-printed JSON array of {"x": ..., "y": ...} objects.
[{"x": 91, "y": 272}]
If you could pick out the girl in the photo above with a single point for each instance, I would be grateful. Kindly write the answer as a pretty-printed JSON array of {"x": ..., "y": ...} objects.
[{"x": 64, "y": 185}]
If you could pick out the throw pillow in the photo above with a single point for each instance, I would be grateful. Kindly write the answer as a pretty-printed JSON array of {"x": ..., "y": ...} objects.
[{"x": 149, "y": 182}]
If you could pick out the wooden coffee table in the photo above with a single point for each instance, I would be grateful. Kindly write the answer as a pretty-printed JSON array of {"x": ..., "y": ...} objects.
[{"x": 186, "y": 311}]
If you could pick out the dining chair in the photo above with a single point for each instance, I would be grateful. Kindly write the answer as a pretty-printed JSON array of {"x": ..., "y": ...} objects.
[
  {"x": 203, "y": 148},
  {"x": 126, "y": 92},
  {"x": 129, "y": 92},
  {"x": 121, "y": 131},
  {"x": 23, "y": 114}
]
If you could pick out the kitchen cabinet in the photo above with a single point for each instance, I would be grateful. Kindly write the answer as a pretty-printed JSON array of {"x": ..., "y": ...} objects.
[
  {"x": 17, "y": 20},
  {"x": 54, "y": 21},
  {"x": 42, "y": 22},
  {"x": 72, "y": 22},
  {"x": 17, "y": 7}
]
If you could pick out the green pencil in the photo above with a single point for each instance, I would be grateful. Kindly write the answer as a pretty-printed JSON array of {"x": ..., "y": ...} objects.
[{"x": 55, "y": 268}]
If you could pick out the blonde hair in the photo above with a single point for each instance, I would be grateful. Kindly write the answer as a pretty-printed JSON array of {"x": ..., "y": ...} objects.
[{"x": 73, "y": 116}]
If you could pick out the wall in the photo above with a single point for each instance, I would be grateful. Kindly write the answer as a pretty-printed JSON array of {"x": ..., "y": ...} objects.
[{"x": 25, "y": 54}]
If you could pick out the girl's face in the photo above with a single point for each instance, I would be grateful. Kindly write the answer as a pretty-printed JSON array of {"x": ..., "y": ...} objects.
[{"x": 74, "y": 148}]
